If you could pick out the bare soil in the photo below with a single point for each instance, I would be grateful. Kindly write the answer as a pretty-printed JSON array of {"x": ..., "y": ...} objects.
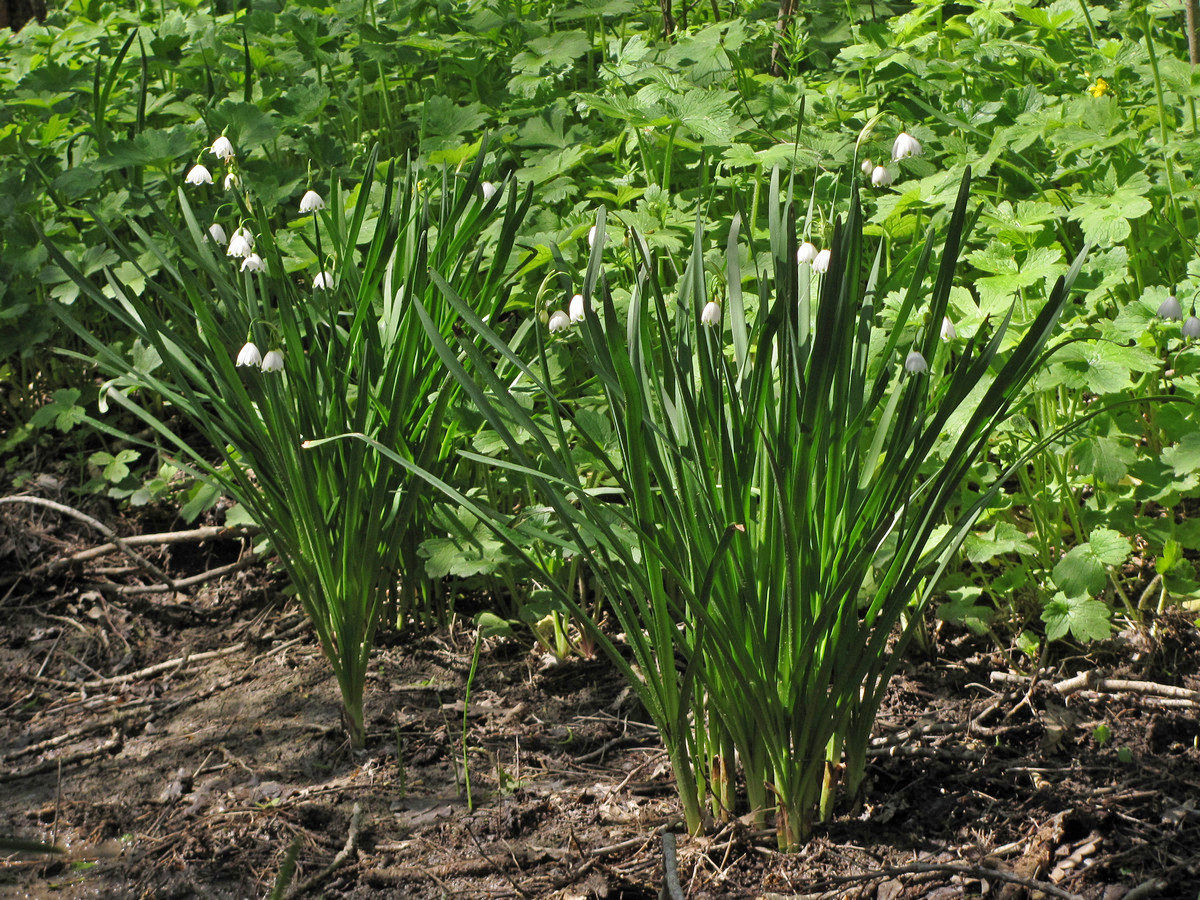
[{"x": 195, "y": 778}]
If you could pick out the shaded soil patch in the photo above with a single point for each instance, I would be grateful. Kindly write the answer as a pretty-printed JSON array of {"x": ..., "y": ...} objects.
[{"x": 193, "y": 779}]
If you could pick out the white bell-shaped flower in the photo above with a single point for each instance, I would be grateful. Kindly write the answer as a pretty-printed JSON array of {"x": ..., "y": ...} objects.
[
  {"x": 867, "y": 166},
  {"x": 222, "y": 149},
  {"x": 881, "y": 177},
  {"x": 253, "y": 263},
  {"x": 820, "y": 262},
  {"x": 559, "y": 321},
  {"x": 232, "y": 180},
  {"x": 806, "y": 254},
  {"x": 249, "y": 355},
  {"x": 323, "y": 281},
  {"x": 711, "y": 314},
  {"x": 949, "y": 332},
  {"x": 273, "y": 361},
  {"x": 488, "y": 189},
  {"x": 905, "y": 146},
  {"x": 199, "y": 175},
  {"x": 1191, "y": 327},
  {"x": 915, "y": 362},
  {"x": 311, "y": 202},
  {"x": 575, "y": 309},
  {"x": 216, "y": 233},
  {"x": 241, "y": 244}
]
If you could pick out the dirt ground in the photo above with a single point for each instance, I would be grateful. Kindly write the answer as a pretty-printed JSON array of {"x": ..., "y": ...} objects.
[{"x": 178, "y": 743}]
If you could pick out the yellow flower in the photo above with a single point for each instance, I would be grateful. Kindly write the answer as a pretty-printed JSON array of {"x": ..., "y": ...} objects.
[{"x": 1099, "y": 89}]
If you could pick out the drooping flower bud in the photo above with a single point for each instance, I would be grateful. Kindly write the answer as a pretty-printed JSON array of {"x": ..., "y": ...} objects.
[
  {"x": 1170, "y": 308},
  {"x": 232, "y": 180},
  {"x": 711, "y": 314},
  {"x": 867, "y": 166},
  {"x": 821, "y": 261},
  {"x": 1191, "y": 327},
  {"x": 488, "y": 189},
  {"x": 575, "y": 309},
  {"x": 949, "y": 332}
]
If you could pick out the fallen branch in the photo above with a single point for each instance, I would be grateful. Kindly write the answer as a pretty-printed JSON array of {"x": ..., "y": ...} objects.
[
  {"x": 193, "y": 535},
  {"x": 48, "y": 765},
  {"x": 133, "y": 710},
  {"x": 148, "y": 672},
  {"x": 118, "y": 542},
  {"x": 245, "y": 562},
  {"x": 350, "y": 848},
  {"x": 1093, "y": 681}
]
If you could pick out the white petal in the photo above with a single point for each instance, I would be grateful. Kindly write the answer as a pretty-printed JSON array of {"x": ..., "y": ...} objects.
[{"x": 559, "y": 321}]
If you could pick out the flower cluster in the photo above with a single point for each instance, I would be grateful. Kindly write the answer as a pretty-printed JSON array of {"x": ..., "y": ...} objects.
[
  {"x": 560, "y": 320},
  {"x": 809, "y": 255},
  {"x": 240, "y": 245},
  {"x": 222, "y": 149},
  {"x": 904, "y": 147},
  {"x": 249, "y": 355}
]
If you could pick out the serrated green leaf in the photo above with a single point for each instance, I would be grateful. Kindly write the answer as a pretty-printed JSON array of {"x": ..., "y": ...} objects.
[
  {"x": 1105, "y": 459},
  {"x": 1080, "y": 573},
  {"x": 491, "y": 625},
  {"x": 1109, "y": 547},
  {"x": 1085, "y": 618},
  {"x": 1172, "y": 553},
  {"x": 1105, "y": 217},
  {"x": 1184, "y": 457},
  {"x": 963, "y": 610},
  {"x": 1002, "y": 539}
]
